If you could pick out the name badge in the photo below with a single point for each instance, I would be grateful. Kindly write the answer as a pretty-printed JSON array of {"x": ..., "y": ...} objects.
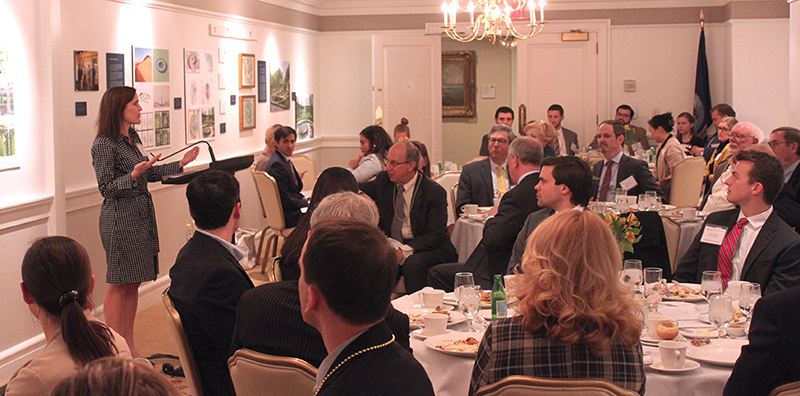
[
  {"x": 628, "y": 183},
  {"x": 713, "y": 235}
]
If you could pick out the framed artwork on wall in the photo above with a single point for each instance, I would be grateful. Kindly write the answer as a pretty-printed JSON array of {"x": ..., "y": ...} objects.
[
  {"x": 458, "y": 84},
  {"x": 247, "y": 70},
  {"x": 247, "y": 112}
]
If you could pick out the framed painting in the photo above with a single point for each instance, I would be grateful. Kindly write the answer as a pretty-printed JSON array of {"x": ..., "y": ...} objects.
[
  {"x": 247, "y": 70},
  {"x": 458, "y": 84},
  {"x": 247, "y": 112}
]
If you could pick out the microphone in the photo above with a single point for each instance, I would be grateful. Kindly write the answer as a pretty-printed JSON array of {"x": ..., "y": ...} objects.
[{"x": 210, "y": 150}]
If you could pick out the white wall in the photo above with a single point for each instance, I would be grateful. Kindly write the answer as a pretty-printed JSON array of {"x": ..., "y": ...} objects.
[{"x": 794, "y": 63}]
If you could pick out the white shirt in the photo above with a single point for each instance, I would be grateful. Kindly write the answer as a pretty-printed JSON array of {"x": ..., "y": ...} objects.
[
  {"x": 749, "y": 234},
  {"x": 408, "y": 195},
  {"x": 562, "y": 144},
  {"x": 612, "y": 184},
  {"x": 787, "y": 174},
  {"x": 494, "y": 177},
  {"x": 237, "y": 253},
  {"x": 718, "y": 199}
]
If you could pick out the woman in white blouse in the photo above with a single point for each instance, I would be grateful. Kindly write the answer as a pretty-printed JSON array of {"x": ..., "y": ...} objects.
[{"x": 375, "y": 143}]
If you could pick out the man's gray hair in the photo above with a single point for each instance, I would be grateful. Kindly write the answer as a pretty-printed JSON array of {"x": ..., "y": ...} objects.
[
  {"x": 751, "y": 129},
  {"x": 527, "y": 149},
  {"x": 790, "y": 135},
  {"x": 346, "y": 204},
  {"x": 412, "y": 152},
  {"x": 731, "y": 121},
  {"x": 503, "y": 128}
]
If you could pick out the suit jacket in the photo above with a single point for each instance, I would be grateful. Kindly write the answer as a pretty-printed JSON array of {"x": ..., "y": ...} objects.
[
  {"x": 772, "y": 358},
  {"x": 269, "y": 320},
  {"x": 788, "y": 203},
  {"x": 773, "y": 260},
  {"x": 570, "y": 140},
  {"x": 291, "y": 198},
  {"x": 670, "y": 155},
  {"x": 387, "y": 371},
  {"x": 207, "y": 282},
  {"x": 628, "y": 167},
  {"x": 533, "y": 221},
  {"x": 475, "y": 184},
  {"x": 428, "y": 213}
]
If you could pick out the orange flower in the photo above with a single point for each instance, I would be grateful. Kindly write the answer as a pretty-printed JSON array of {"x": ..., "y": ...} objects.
[{"x": 629, "y": 236}]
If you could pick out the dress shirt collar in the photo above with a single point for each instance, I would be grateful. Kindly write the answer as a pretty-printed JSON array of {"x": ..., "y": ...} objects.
[
  {"x": 525, "y": 175},
  {"x": 326, "y": 364},
  {"x": 616, "y": 159},
  {"x": 756, "y": 221},
  {"x": 787, "y": 174},
  {"x": 410, "y": 185},
  {"x": 237, "y": 253}
]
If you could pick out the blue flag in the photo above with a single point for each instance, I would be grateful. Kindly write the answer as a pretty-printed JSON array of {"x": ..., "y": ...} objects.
[{"x": 702, "y": 92}]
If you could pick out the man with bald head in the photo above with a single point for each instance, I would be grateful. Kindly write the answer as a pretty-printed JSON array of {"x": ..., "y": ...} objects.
[{"x": 413, "y": 211}]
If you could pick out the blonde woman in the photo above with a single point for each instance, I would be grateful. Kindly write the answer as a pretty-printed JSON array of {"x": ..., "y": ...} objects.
[
  {"x": 576, "y": 319},
  {"x": 545, "y": 133},
  {"x": 269, "y": 148}
]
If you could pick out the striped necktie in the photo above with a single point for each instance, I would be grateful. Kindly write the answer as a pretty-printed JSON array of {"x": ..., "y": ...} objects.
[{"x": 725, "y": 258}]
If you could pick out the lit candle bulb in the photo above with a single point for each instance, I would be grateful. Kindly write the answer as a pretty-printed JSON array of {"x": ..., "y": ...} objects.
[
  {"x": 444, "y": 11},
  {"x": 532, "y": 9},
  {"x": 541, "y": 9},
  {"x": 471, "y": 8}
]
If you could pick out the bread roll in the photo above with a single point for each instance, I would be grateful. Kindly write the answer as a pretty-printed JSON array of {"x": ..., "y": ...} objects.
[{"x": 667, "y": 331}]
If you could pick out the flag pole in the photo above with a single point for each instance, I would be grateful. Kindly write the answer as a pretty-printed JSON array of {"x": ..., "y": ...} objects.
[{"x": 702, "y": 19}]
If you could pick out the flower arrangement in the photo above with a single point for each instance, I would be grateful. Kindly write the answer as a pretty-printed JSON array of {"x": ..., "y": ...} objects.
[
  {"x": 630, "y": 135},
  {"x": 625, "y": 230}
]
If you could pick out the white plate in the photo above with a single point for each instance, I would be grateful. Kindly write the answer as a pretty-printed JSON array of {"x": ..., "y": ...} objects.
[
  {"x": 477, "y": 216},
  {"x": 432, "y": 342},
  {"x": 704, "y": 318},
  {"x": 484, "y": 208},
  {"x": 450, "y": 299},
  {"x": 693, "y": 286},
  {"x": 646, "y": 339},
  {"x": 455, "y": 317},
  {"x": 419, "y": 334},
  {"x": 700, "y": 332},
  {"x": 688, "y": 365},
  {"x": 722, "y": 352}
]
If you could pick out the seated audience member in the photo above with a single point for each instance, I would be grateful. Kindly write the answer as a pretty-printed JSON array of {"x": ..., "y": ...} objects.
[
  {"x": 116, "y": 377},
  {"x": 345, "y": 290},
  {"x": 754, "y": 244},
  {"x": 330, "y": 181},
  {"x": 491, "y": 255},
  {"x": 402, "y": 131},
  {"x": 567, "y": 140},
  {"x": 375, "y": 144},
  {"x": 772, "y": 356},
  {"x": 424, "y": 160},
  {"x": 276, "y": 306},
  {"x": 208, "y": 279},
  {"x": 624, "y": 115},
  {"x": 686, "y": 135},
  {"x": 483, "y": 181},
  {"x": 721, "y": 155},
  {"x": 544, "y": 132},
  {"x": 413, "y": 211},
  {"x": 617, "y": 170},
  {"x": 718, "y": 112},
  {"x": 785, "y": 142},
  {"x": 741, "y": 136},
  {"x": 290, "y": 183},
  {"x": 668, "y": 153},
  {"x": 576, "y": 319},
  {"x": 269, "y": 149},
  {"x": 502, "y": 116},
  {"x": 565, "y": 183},
  {"x": 57, "y": 283}
]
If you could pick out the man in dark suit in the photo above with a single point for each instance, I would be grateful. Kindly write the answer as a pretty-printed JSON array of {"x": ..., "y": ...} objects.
[
  {"x": 772, "y": 357},
  {"x": 624, "y": 115},
  {"x": 345, "y": 290},
  {"x": 413, "y": 211},
  {"x": 207, "y": 278},
  {"x": 785, "y": 142},
  {"x": 567, "y": 140},
  {"x": 751, "y": 243},
  {"x": 491, "y": 255},
  {"x": 504, "y": 115},
  {"x": 275, "y": 307},
  {"x": 617, "y": 170},
  {"x": 482, "y": 181},
  {"x": 290, "y": 183}
]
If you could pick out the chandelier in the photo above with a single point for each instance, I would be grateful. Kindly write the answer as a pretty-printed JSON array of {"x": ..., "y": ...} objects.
[{"x": 493, "y": 20}]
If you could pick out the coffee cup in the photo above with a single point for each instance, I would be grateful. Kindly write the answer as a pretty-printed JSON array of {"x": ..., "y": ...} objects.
[
  {"x": 653, "y": 320},
  {"x": 734, "y": 289},
  {"x": 689, "y": 213},
  {"x": 434, "y": 324},
  {"x": 470, "y": 209},
  {"x": 673, "y": 353},
  {"x": 432, "y": 298}
]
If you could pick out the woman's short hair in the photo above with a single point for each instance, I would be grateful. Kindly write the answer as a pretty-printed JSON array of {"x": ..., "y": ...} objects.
[
  {"x": 112, "y": 109},
  {"x": 270, "y": 134},
  {"x": 115, "y": 376},
  {"x": 544, "y": 129},
  {"x": 571, "y": 283}
]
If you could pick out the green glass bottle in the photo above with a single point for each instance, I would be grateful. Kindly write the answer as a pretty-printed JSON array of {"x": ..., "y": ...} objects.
[{"x": 499, "y": 307}]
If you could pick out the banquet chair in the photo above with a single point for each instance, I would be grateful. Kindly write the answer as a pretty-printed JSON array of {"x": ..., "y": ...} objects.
[
  {"x": 475, "y": 159},
  {"x": 273, "y": 210},
  {"x": 519, "y": 385},
  {"x": 257, "y": 374},
  {"x": 672, "y": 232},
  {"x": 184, "y": 349},
  {"x": 687, "y": 182},
  {"x": 790, "y": 389},
  {"x": 448, "y": 180},
  {"x": 305, "y": 164}
]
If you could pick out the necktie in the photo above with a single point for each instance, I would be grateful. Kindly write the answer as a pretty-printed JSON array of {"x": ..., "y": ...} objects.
[
  {"x": 725, "y": 258},
  {"x": 603, "y": 195},
  {"x": 558, "y": 148},
  {"x": 501, "y": 181},
  {"x": 292, "y": 171},
  {"x": 399, "y": 214}
]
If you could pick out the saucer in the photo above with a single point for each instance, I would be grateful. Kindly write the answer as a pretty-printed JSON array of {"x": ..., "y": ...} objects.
[
  {"x": 421, "y": 335},
  {"x": 646, "y": 339},
  {"x": 699, "y": 332},
  {"x": 688, "y": 365}
]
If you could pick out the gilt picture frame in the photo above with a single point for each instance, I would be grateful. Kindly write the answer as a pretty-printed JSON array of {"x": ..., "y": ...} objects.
[
  {"x": 458, "y": 84},
  {"x": 247, "y": 112},
  {"x": 247, "y": 70}
]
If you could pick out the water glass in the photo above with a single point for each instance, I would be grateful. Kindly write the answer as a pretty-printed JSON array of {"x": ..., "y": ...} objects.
[
  {"x": 632, "y": 273},
  {"x": 643, "y": 203},
  {"x": 749, "y": 294},
  {"x": 469, "y": 302},
  {"x": 652, "y": 284},
  {"x": 652, "y": 200},
  {"x": 462, "y": 279},
  {"x": 711, "y": 284},
  {"x": 720, "y": 312}
]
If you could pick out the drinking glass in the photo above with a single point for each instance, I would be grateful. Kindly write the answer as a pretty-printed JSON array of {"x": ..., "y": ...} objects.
[
  {"x": 711, "y": 284},
  {"x": 469, "y": 302},
  {"x": 462, "y": 279},
  {"x": 643, "y": 202},
  {"x": 652, "y": 200},
  {"x": 632, "y": 274},
  {"x": 652, "y": 284},
  {"x": 720, "y": 312},
  {"x": 755, "y": 294},
  {"x": 745, "y": 293}
]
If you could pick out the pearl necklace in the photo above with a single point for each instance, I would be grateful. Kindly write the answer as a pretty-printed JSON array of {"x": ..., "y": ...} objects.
[{"x": 372, "y": 348}]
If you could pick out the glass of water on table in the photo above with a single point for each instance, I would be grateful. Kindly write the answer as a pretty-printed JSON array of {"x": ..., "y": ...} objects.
[
  {"x": 462, "y": 279},
  {"x": 632, "y": 274},
  {"x": 710, "y": 284}
]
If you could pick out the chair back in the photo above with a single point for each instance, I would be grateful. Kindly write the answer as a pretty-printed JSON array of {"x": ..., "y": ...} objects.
[
  {"x": 447, "y": 180},
  {"x": 260, "y": 200},
  {"x": 475, "y": 159},
  {"x": 672, "y": 231},
  {"x": 518, "y": 385},
  {"x": 270, "y": 200},
  {"x": 687, "y": 182},
  {"x": 307, "y": 165},
  {"x": 184, "y": 349},
  {"x": 258, "y": 374},
  {"x": 790, "y": 389}
]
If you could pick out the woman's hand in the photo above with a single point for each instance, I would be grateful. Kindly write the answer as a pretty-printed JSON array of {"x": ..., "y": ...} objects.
[
  {"x": 355, "y": 161},
  {"x": 190, "y": 156},
  {"x": 143, "y": 166},
  {"x": 696, "y": 151}
]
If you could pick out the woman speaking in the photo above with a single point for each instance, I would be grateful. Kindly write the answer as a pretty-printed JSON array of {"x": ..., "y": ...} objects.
[{"x": 127, "y": 218}]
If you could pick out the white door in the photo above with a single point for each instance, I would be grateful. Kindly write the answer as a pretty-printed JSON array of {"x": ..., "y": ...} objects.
[
  {"x": 407, "y": 82},
  {"x": 551, "y": 71}
]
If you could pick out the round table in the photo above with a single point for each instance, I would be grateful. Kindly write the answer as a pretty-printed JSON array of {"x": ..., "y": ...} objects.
[{"x": 467, "y": 234}]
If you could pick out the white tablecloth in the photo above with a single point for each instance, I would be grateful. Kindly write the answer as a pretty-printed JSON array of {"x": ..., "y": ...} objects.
[
  {"x": 689, "y": 230},
  {"x": 451, "y": 375},
  {"x": 467, "y": 233}
]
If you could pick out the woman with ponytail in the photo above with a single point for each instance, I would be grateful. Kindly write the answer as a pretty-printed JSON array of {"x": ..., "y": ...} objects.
[{"x": 56, "y": 284}]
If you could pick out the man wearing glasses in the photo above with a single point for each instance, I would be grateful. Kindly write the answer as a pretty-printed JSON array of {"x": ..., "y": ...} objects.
[
  {"x": 743, "y": 135},
  {"x": 785, "y": 142},
  {"x": 483, "y": 181}
]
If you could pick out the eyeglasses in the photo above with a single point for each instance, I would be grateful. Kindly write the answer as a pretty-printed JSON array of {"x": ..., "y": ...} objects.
[
  {"x": 738, "y": 136},
  {"x": 394, "y": 164},
  {"x": 501, "y": 141},
  {"x": 773, "y": 143}
]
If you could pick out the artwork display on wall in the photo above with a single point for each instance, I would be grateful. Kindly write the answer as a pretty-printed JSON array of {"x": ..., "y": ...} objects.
[
  {"x": 200, "y": 81},
  {"x": 247, "y": 112},
  {"x": 458, "y": 84},
  {"x": 279, "y": 90},
  {"x": 86, "y": 71},
  {"x": 304, "y": 117},
  {"x": 151, "y": 80},
  {"x": 247, "y": 70},
  {"x": 8, "y": 144}
]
